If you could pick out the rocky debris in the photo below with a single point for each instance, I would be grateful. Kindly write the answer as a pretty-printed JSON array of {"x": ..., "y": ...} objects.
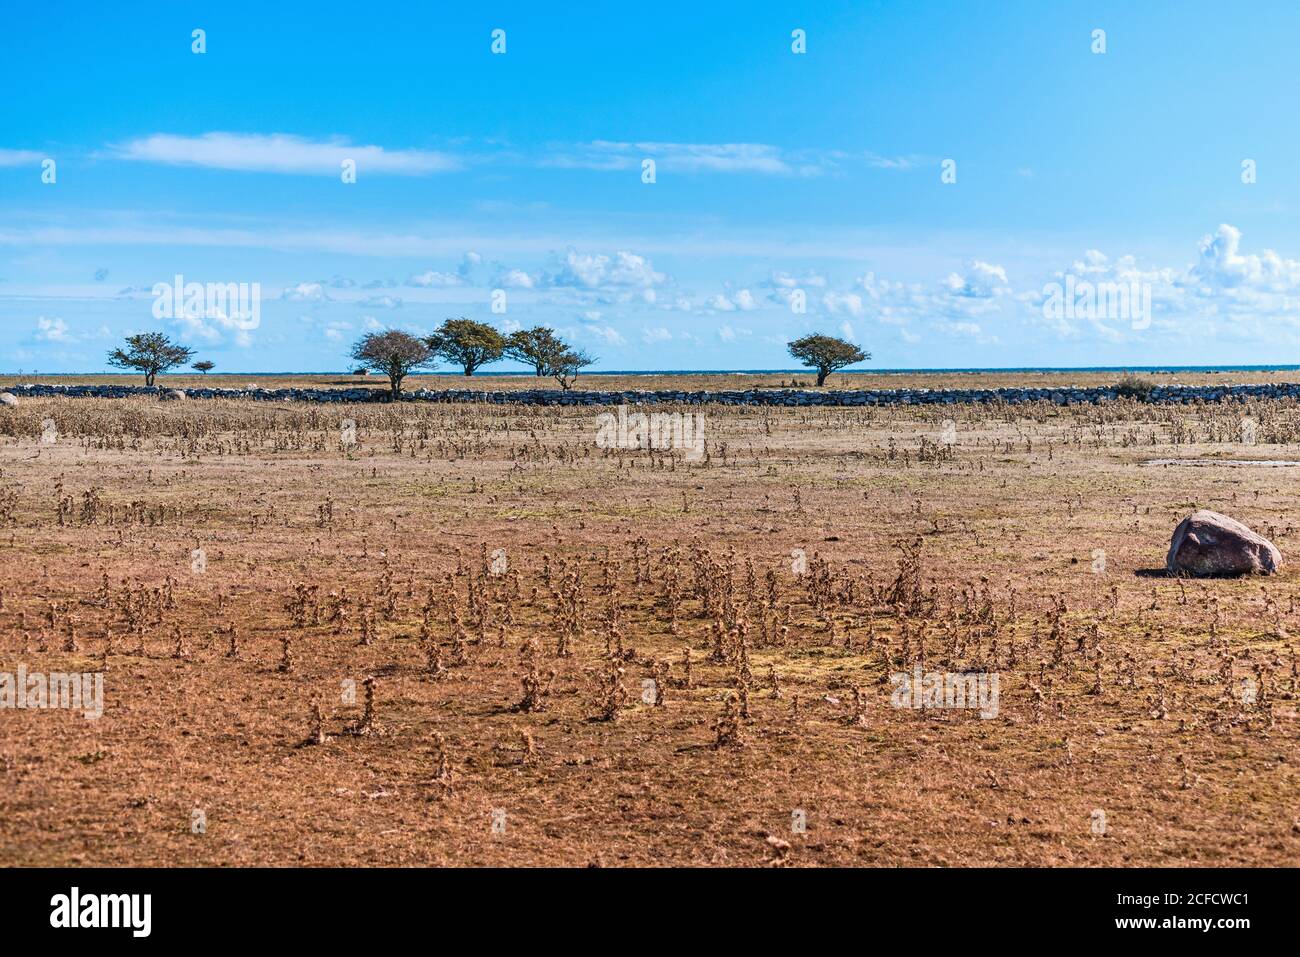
[
  {"x": 8, "y": 398},
  {"x": 1207, "y": 544},
  {"x": 1160, "y": 395}
]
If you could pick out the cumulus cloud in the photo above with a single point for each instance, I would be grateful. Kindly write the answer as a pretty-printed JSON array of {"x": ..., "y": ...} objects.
[
  {"x": 742, "y": 300},
  {"x": 979, "y": 280},
  {"x": 606, "y": 334},
  {"x": 1257, "y": 292},
  {"x": 515, "y": 279},
  {"x": 305, "y": 292},
  {"x": 597, "y": 271},
  {"x": 1221, "y": 266},
  {"x": 432, "y": 279},
  {"x": 839, "y": 303},
  {"x": 467, "y": 265},
  {"x": 783, "y": 280},
  {"x": 53, "y": 330},
  {"x": 214, "y": 325}
]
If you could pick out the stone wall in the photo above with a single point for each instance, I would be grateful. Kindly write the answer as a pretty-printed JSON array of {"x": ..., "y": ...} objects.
[{"x": 1173, "y": 394}]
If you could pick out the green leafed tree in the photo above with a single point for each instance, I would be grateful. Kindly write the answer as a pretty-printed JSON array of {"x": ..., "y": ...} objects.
[
  {"x": 538, "y": 347},
  {"x": 394, "y": 353},
  {"x": 826, "y": 354},
  {"x": 466, "y": 343},
  {"x": 205, "y": 366},
  {"x": 150, "y": 353}
]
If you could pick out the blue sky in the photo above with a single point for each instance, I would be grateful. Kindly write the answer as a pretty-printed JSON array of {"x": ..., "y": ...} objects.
[{"x": 778, "y": 176}]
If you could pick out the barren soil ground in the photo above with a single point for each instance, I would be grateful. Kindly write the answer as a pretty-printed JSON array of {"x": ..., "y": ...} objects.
[{"x": 1025, "y": 543}]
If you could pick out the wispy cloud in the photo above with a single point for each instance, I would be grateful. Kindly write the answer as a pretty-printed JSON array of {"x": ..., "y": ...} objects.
[
  {"x": 280, "y": 153},
  {"x": 674, "y": 157},
  {"x": 18, "y": 157}
]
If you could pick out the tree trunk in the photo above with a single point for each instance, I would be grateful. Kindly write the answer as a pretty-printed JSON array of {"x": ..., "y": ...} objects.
[
  {"x": 148, "y": 380},
  {"x": 394, "y": 386},
  {"x": 821, "y": 376}
]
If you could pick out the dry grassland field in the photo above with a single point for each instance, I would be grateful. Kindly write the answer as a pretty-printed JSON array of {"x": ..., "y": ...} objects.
[
  {"x": 470, "y": 635},
  {"x": 689, "y": 381}
]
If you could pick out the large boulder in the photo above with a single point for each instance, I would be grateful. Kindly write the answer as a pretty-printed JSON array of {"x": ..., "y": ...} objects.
[
  {"x": 1208, "y": 544},
  {"x": 8, "y": 398},
  {"x": 171, "y": 395}
]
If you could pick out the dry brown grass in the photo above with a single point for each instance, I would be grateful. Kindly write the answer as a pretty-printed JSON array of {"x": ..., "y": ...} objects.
[
  {"x": 689, "y": 382},
  {"x": 483, "y": 745}
]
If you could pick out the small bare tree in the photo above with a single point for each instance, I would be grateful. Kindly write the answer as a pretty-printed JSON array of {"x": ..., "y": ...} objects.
[
  {"x": 566, "y": 366},
  {"x": 394, "y": 353}
]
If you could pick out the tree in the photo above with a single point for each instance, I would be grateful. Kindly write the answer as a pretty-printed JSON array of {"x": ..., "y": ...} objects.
[
  {"x": 537, "y": 347},
  {"x": 394, "y": 353},
  {"x": 467, "y": 343},
  {"x": 150, "y": 353},
  {"x": 826, "y": 354},
  {"x": 205, "y": 366},
  {"x": 566, "y": 366}
]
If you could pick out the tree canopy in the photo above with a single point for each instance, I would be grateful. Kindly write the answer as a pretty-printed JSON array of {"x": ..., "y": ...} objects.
[
  {"x": 150, "y": 353},
  {"x": 466, "y": 343},
  {"x": 826, "y": 354},
  {"x": 538, "y": 347}
]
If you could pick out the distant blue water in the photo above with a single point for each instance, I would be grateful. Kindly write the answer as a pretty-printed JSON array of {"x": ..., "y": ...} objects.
[
  {"x": 650, "y": 372},
  {"x": 745, "y": 372}
]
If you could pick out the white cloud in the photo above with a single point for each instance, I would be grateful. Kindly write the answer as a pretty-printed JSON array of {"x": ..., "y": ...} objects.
[
  {"x": 891, "y": 162},
  {"x": 596, "y": 271},
  {"x": 467, "y": 264},
  {"x": 842, "y": 302},
  {"x": 280, "y": 153},
  {"x": 980, "y": 280},
  {"x": 674, "y": 157},
  {"x": 1222, "y": 266},
  {"x": 655, "y": 335},
  {"x": 515, "y": 279},
  {"x": 783, "y": 280},
  {"x": 607, "y": 335},
  {"x": 53, "y": 330},
  {"x": 19, "y": 157},
  {"x": 381, "y": 302},
  {"x": 432, "y": 279},
  {"x": 305, "y": 292},
  {"x": 742, "y": 301}
]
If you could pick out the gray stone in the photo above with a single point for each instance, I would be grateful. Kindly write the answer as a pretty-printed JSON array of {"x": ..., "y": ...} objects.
[{"x": 1207, "y": 544}]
